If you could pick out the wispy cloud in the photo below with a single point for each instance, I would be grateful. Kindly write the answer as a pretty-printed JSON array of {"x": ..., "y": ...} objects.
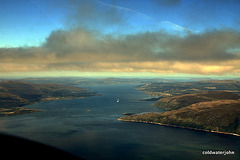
[
  {"x": 126, "y": 9},
  {"x": 167, "y": 25}
]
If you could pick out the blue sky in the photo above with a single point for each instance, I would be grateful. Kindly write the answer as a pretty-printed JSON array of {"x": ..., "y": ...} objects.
[
  {"x": 148, "y": 37},
  {"x": 29, "y": 22}
]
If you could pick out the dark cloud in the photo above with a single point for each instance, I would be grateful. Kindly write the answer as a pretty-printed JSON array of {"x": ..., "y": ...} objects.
[
  {"x": 77, "y": 40},
  {"x": 93, "y": 15},
  {"x": 209, "y": 46},
  {"x": 210, "y": 52}
]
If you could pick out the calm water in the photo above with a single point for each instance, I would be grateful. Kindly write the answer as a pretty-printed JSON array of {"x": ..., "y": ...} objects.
[{"x": 89, "y": 128}]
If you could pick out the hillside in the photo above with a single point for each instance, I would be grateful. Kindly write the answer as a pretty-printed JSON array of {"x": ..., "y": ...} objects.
[
  {"x": 17, "y": 94},
  {"x": 165, "y": 89},
  {"x": 176, "y": 102},
  {"x": 210, "y": 111}
]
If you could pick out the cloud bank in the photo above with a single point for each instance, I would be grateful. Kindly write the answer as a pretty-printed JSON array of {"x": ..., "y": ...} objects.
[
  {"x": 213, "y": 52},
  {"x": 87, "y": 49}
]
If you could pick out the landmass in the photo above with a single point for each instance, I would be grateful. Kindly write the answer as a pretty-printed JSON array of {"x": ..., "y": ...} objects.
[
  {"x": 151, "y": 99},
  {"x": 87, "y": 81},
  {"x": 128, "y": 114},
  {"x": 16, "y": 94},
  {"x": 166, "y": 89},
  {"x": 184, "y": 100},
  {"x": 93, "y": 81},
  {"x": 16, "y": 110},
  {"x": 212, "y": 109}
]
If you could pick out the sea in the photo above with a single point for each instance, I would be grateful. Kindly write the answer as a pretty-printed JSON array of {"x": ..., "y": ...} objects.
[{"x": 89, "y": 128}]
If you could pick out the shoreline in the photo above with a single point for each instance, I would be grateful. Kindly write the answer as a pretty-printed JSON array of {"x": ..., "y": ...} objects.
[
  {"x": 4, "y": 112},
  {"x": 61, "y": 98},
  {"x": 168, "y": 125},
  {"x": 11, "y": 111}
]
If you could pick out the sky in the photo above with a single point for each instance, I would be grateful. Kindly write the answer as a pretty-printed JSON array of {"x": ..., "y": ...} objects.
[{"x": 148, "y": 38}]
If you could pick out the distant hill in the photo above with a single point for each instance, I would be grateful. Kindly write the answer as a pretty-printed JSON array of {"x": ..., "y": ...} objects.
[
  {"x": 85, "y": 81},
  {"x": 19, "y": 93},
  {"x": 215, "y": 111},
  {"x": 176, "y": 102},
  {"x": 165, "y": 89}
]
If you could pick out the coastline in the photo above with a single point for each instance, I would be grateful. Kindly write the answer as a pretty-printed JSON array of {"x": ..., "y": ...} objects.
[
  {"x": 21, "y": 110},
  {"x": 169, "y": 125},
  {"x": 61, "y": 98}
]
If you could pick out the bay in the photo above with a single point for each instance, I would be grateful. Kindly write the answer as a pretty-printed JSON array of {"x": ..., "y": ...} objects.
[{"x": 89, "y": 129}]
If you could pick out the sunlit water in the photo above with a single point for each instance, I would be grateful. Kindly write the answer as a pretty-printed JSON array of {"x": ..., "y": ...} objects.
[{"x": 89, "y": 128}]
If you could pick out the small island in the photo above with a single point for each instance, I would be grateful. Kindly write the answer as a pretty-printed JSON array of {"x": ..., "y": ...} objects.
[
  {"x": 16, "y": 110},
  {"x": 14, "y": 95},
  {"x": 212, "y": 111}
]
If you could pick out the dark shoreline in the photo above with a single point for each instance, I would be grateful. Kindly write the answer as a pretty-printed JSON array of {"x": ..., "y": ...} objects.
[
  {"x": 21, "y": 110},
  {"x": 15, "y": 95},
  {"x": 168, "y": 125}
]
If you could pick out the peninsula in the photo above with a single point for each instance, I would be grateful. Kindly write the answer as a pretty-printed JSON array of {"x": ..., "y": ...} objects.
[
  {"x": 16, "y": 94},
  {"x": 212, "y": 111}
]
